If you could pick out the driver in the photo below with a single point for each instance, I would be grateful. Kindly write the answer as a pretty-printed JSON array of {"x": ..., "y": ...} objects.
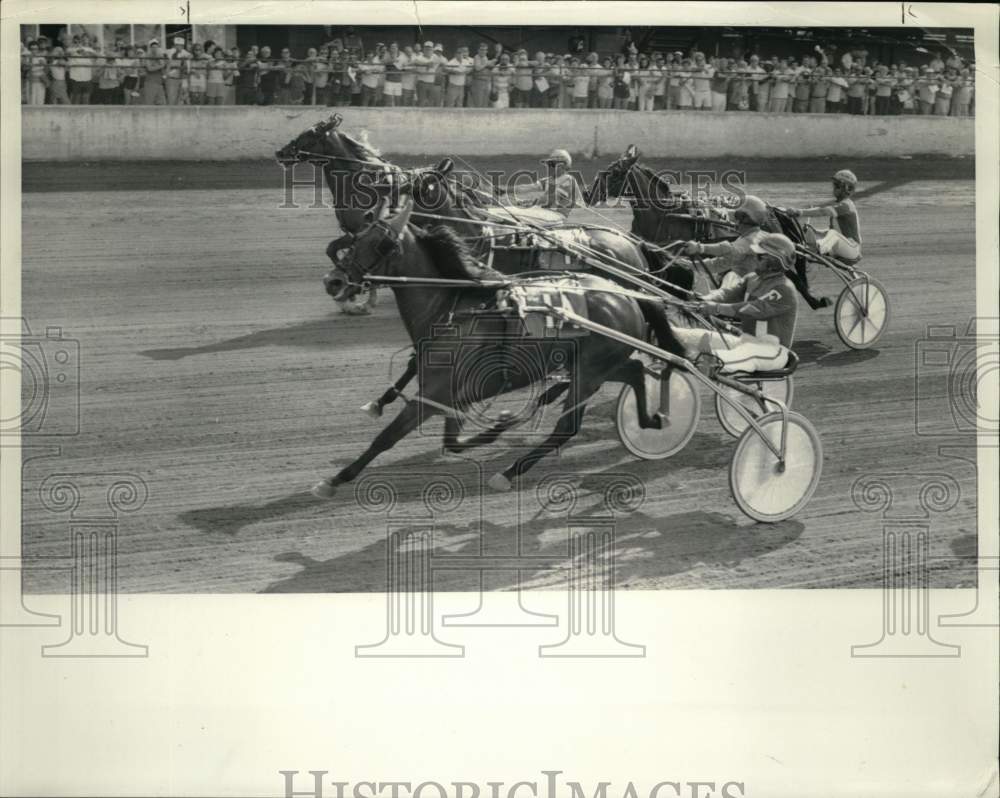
[
  {"x": 559, "y": 191},
  {"x": 843, "y": 238},
  {"x": 764, "y": 303},
  {"x": 750, "y": 218}
]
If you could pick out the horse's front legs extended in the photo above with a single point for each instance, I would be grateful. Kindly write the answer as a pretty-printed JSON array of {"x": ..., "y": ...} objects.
[
  {"x": 374, "y": 408},
  {"x": 407, "y": 421}
]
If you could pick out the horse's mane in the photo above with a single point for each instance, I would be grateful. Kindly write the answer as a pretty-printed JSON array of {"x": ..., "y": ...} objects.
[
  {"x": 361, "y": 149},
  {"x": 653, "y": 177},
  {"x": 450, "y": 254}
]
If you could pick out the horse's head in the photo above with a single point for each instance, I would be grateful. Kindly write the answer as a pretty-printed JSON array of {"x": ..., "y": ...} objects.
[
  {"x": 442, "y": 192},
  {"x": 376, "y": 248},
  {"x": 615, "y": 179},
  {"x": 313, "y": 144}
]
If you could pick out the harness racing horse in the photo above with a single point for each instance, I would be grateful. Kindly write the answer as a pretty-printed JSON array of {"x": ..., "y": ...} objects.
[
  {"x": 658, "y": 214},
  {"x": 511, "y": 244},
  {"x": 483, "y": 339},
  {"x": 358, "y": 179}
]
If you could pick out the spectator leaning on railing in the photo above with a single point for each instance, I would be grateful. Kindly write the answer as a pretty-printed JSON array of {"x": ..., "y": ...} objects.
[{"x": 341, "y": 73}]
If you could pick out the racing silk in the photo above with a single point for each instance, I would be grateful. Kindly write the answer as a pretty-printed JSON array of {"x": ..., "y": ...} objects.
[
  {"x": 843, "y": 217},
  {"x": 764, "y": 305},
  {"x": 733, "y": 254},
  {"x": 560, "y": 193}
]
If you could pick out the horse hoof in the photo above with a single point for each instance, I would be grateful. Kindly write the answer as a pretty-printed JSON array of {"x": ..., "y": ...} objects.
[
  {"x": 324, "y": 490},
  {"x": 499, "y": 483},
  {"x": 372, "y": 409}
]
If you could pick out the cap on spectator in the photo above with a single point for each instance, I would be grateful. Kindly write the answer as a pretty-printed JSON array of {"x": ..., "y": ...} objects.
[
  {"x": 438, "y": 48},
  {"x": 153, "y": 41},
  {"x": 429, "y": 44},
  {"x": 178, "y": 40}
]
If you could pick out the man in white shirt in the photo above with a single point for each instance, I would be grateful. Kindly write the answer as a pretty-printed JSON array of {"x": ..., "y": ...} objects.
[
  {"x": 701, "y": 74},
  {"x": 458, "y": 69},
  {"x": 426, "y": 63},
  {"x": 479, "y": 94},
  {"x": 178, "y": 60},
  {"x": 80, "y": 70}
]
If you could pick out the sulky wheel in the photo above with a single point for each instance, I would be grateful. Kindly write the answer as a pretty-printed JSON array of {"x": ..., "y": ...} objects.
[
  {"x": 732, "y": 422},
  {"x": 680, "y": 416},
  {"x": 862, "y": 312},
  {"x": 763, "y": 488}
]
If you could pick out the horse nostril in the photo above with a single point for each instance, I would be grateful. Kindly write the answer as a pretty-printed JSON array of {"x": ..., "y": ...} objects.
[{"x": 333, "y": 283}]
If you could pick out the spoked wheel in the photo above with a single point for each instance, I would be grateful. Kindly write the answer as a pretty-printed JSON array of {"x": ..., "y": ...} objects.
[
  {"x": 862, "y": 312},
  {"x": 763, "y": 488},
  {"x": 732, "y": 422},
  {"x": 681, "y": 413}
]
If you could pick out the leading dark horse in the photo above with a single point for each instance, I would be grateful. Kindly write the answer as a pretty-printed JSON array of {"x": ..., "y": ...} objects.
[
  {"x": 487, "y": 343},
  {"x": 659, "y": 214}
]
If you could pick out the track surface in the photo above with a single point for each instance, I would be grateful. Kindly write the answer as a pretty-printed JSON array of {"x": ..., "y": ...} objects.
[{"x": 215, "y": 368}]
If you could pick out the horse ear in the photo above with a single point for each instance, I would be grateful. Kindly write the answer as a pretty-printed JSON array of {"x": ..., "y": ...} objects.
[
  {"x": 632, "y": 152},
  {"x": 334, "y": 121},
  {"x": 398, "y": 221},
  {"x": 445, "y": 166}
]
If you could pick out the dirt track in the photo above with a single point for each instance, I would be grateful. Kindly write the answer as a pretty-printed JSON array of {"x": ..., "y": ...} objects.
[{"x": 215, "y": 368}]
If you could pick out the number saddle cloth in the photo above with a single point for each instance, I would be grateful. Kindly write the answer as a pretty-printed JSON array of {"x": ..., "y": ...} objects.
[
  {"x": 519, "y": 311},
  {"x": 554, "y": 248}
]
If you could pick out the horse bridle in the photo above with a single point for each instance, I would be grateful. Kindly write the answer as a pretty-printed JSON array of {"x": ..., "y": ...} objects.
[{"x": 388, "y": 248}]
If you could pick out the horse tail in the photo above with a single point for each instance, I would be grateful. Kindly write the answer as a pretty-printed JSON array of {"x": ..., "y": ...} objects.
[{"x": 655, "y": 315}]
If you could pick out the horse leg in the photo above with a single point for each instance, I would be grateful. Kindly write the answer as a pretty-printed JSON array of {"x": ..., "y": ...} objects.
[
  {"x": 566, "y": 427},
  {"x": 374, "y": 409},
  {"x": 800, "y": 280},
  {"x": 455, "y": 444},
  {"x": 633, "y": 373},
  {"x": 551, "y": 394},
  {"x": 407, "y": 421}
]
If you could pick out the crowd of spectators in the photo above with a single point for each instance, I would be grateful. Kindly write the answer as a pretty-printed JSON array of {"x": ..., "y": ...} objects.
[{"x": 344, "y": 72}]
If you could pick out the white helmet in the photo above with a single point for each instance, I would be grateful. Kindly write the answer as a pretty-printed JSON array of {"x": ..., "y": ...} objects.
[
  {"x": 559, "y": 156},
  {"x": 779, "y": 247},
  {"x": 847, "y": 178}
]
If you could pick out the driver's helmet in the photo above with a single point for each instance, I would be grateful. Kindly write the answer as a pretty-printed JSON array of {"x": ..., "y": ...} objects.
[
  {"x": 559, "y": 156},
  {"x": 779, "y": 247},
  {"x": 847, "y": 179},
  {"x": 752, "y": 211}
]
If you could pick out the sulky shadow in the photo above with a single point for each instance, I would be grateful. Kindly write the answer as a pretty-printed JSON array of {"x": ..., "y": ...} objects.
[{"x": 822, "y": 354}]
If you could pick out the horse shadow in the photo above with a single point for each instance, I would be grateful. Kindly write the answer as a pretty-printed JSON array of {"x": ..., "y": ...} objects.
[
  {"x": 703, "y": 451},
  {"x": 818, "y": 353},
  {"x": 313, "y": 334},
  {"x": 646, "y": 548}
]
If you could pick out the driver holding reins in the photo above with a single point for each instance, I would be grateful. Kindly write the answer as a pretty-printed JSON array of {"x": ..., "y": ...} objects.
[
  {"x": 750, "y": 217},
  {"x": 843, "y": 239},
  {"x": 763, "y": 301},
  {"x": 559, "y": 191}
]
